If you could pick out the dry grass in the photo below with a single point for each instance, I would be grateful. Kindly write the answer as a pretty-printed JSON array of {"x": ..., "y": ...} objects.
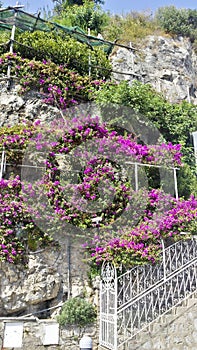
[{"x": 131, "y": 28}]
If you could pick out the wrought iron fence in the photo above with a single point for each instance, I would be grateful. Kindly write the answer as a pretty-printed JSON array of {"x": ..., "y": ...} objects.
[{"x": 131, "y": 301}]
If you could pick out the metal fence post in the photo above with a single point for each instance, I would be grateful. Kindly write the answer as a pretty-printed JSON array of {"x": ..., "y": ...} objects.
[
  {"x": 116, "y": 311},
  {"x": 164, "y": 259},
  {"x": 16, "y": 7}
]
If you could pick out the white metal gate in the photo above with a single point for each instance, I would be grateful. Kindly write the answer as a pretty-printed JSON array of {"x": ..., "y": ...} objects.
[
  {"x": 133, "y": 300},
  {"x": 108, "y": 306}
]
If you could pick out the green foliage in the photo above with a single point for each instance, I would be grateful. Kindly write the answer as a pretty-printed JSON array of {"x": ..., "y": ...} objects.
[
  {"x": 178, "y": 21},
  {"x": 174, "y": 121},
  {"x": 63, "y": 50},
  {"x": 77, "y": 311},
  {"x": 187, "y": 180},
  {"x": 4, "y": 41},
  {"x": 59, "y": 4},
  {"x": 58, "y": 85},
  {"x": 131, "y": 27},
  {"x": 87, "y": 16}
]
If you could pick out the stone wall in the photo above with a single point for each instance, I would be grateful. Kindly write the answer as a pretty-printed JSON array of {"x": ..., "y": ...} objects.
[
  {"x": 15, "y": 108},
  {"x": 33, "y": 336},
  {"x": 174, "y": 331},
  {"x": 50, "y": 277}
]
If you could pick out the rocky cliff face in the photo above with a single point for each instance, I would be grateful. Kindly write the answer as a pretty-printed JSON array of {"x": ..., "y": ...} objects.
[
  {"x": 49, "y": 277},
  {"x": 169, "y": 65},
  {"x": 14, "y": 108}
]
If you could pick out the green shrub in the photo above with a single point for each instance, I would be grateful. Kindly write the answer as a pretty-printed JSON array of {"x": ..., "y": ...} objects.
[
  {"x": 4, "y": 41},
  {"x": 174, "y": 121},
  {"x": 187, "y": 181},
  {"x": 63, "y": 50},
  {"x": 178, "y": 21},
  {"x": 131, "y": 27},
  {"x": 77, "y": 311}
]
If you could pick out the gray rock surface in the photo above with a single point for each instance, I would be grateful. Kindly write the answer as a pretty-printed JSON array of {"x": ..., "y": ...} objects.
[
  {"x": 169, "y": 65},
  {"x": 43, "y": 282},
  {"x": 15, "y": 108}
]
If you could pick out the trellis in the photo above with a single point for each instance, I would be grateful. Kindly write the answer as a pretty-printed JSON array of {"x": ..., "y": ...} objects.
[
  {"x": 14, "y": 17},
  {"x": 136, "y": 166}
]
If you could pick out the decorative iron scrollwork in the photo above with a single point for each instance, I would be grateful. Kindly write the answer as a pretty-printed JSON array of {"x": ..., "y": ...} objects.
[
  {"x": 144, "y": 294},
  {"x": 108, "y": 275}
]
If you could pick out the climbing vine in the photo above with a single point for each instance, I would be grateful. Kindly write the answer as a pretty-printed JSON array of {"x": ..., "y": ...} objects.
[{"x": 66, "y": 200}]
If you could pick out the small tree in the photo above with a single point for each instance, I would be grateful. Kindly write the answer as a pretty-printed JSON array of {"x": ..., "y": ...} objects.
[{"x": 77, "y": 311}]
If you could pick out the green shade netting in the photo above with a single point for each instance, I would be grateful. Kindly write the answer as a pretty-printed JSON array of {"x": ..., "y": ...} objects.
[{"x": 28, "y": 22}]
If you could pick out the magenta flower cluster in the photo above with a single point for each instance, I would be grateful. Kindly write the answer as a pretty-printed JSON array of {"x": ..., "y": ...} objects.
[
  {"x": 68, "y": 200},
  {"x": 18, "y": 232},
  {"x": 11, "y": 215},
  {"x": 58, "y": 85},
  {"x": 100, "y": 181},
  {"x": 143, "y": 242}
]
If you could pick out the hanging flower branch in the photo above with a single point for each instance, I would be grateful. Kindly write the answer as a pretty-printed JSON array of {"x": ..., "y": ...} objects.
[
  {"x": 142, "y": 244},
  {"x": 58, "y": 85}
]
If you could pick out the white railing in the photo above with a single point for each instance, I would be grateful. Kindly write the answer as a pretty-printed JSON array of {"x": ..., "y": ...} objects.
[
  {"x": 144, "y": 293},
  {"x": 141, "y": 278}
]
